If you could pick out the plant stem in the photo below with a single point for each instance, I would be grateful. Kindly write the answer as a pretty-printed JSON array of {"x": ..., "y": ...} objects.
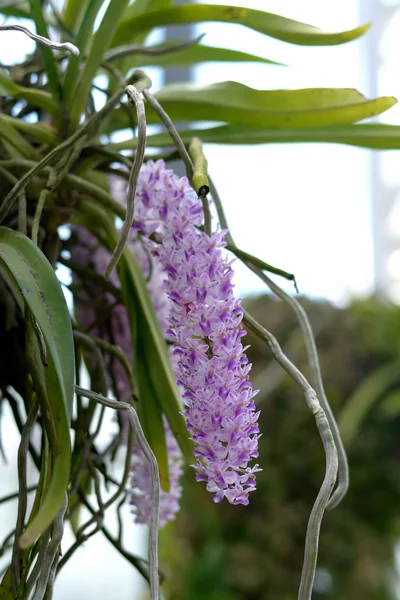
[
  {"x": 23, "y": 491},
  {"x": 261, "y": 264},
  {"x": 41, "y": 39},
  {"x": 172, "y": 131},
  {"x": 50, "y": 554},
  {"x": 136, "y": 100}
]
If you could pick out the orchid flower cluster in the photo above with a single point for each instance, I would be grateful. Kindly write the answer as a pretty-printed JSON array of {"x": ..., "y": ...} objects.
[{"x": 192, "y": 291}]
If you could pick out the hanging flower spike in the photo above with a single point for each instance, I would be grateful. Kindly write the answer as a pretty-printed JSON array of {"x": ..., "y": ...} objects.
[
  {"x": 205, "y": 327},
  {"x": 140, "y": 484}
]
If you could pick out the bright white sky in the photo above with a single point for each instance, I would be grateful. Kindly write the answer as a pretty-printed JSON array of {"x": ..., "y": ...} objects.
[{"x": 304, "y": 208}]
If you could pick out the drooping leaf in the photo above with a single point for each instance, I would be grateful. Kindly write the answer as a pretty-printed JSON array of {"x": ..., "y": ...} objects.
[
  {"x": 35, "y": 97},
  {"x": 100, "y": 44},
  {"x": 73, "y": 11},
  {"x": 150, "y": 414},
  {"x": 13, "y": 137},
  {"x": 15, "y": 9},
  {"x": 270, "y": 24},
  {"x": 83, "y": 39},
  {"x": 364, "y": 135},
  {"x": 149, "y": 409},
  {"x": 47, "y": 54},
  {"x": 197, "y": 54},
  {"x": 141, "y": 6},
  {"x": 390, "y": 406},
  {"x": 135, "y": 8},
  {"x": 40, "y": 290},
  {"x": 238, "y": 104},
  {"x": 38, "y": 131},
  {"x": 6, "y": 586},
  {"x": 363, "y": 398},
  {"x": 151, "y": 341}
]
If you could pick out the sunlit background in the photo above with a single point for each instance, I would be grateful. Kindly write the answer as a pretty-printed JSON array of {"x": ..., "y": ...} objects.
[{"x": 328, "y": 213}]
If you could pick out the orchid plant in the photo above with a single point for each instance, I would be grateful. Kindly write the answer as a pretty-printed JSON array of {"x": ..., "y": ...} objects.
[{"x": 154, "y": 317}]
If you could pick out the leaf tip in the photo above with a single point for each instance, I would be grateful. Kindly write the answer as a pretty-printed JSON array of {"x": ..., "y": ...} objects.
[
  {"x": 109, "y": 270},
  {"x": 26, "y": 540},
  {"x": 165, "y": 484},
  {"x": 359, "y": 31}
]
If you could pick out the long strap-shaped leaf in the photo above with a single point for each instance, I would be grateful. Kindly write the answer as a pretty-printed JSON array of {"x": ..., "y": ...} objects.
[
  {"x": 73, "y": 11},
  {"x": 83, "y": 39},
  {"x": 275, "y": 26},
  {"x": 199, "y": 54},
  {"x": 141, "y": 6},
  {"x": 156, "y": 355},
  {"x": 39, "y": 131},
  {"x": 101, "y": 42},
  {"x": 32, "y": 275},
  {"x": 149, "y": 409},
  {"x": 35, "y": 97},
  {"x": 13, "y": 137},
  {"x": 48, "y": 56},
  {"x": 135, "y": 8},
  {"x": 240, "y": 105},
  {"x": 371, "y": 135},
  {"x": 21, "y": 11},
  {"x": 364, "y": 396}
]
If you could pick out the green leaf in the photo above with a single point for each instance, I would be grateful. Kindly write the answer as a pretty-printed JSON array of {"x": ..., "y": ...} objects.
[
  {"x": 98, "y": 178},
  {"x": 272, "y": 25},
  {"x": 6, "y": 586},
  {"x": 368, "y": 135},
  {"x": 238, "y": 104},
  {"x": 363, "y": 398},
  {"x": 83, "y": 40},
  {"x": 136, "y": 7},
  {"x": 47, "y": 54},
  {"x": 101, "y": 42},
  {"x": 241, "y": 105},
  {"x": 140, "y": 6},
  {"x": 73, "y": 11},
  {"x": 151, "y": 341},
  {"x": 20, "y": 10},
  {"x": 9, "y": 133},
  {"x": 390, "y": 406},
  {"x": 5, "y": 594},
  {"x": 200, "y": 54},
  {"x": 44, "y": 479},
  {"x": 38, "y": 131},
  {"x": 40, "y": 290},
  {"x": 150, "y": 414},
  {"x": 35, "y": 97}
]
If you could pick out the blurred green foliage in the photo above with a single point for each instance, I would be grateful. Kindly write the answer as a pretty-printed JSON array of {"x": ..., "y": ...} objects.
[{"x": 223, "y": 552}]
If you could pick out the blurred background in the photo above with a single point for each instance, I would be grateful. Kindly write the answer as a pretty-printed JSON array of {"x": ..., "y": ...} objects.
[{"x": 331, "y": 215}]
